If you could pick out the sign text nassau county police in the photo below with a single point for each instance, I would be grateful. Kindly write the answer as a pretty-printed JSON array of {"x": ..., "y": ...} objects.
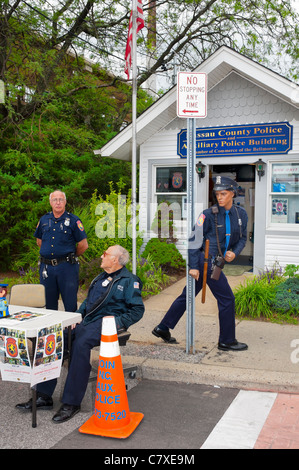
[{"x": 255, "y": 139}]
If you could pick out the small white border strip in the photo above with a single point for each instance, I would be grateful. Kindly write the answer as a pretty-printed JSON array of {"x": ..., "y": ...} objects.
[{"x": 242, "y": 422}]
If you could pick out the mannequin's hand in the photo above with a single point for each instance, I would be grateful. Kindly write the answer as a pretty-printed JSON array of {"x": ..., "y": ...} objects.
[
  {"x": 194, "y": 273},
  {"x": 229, "y": 256}
]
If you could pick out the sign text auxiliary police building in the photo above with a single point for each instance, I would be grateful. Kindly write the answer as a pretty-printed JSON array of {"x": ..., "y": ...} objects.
[{"x": 250, "y": 133}]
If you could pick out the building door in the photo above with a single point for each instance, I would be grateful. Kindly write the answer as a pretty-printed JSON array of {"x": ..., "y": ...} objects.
[{"x": 244, "y": 175}]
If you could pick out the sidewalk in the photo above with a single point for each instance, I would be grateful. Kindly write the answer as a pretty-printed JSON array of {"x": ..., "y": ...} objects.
[
  {"x": 270, "y": 363},
  {"x": 210, "y": 377}
]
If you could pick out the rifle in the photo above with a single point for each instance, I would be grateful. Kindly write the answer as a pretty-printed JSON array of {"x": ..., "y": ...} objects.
[{"x": 205, "y": 271}]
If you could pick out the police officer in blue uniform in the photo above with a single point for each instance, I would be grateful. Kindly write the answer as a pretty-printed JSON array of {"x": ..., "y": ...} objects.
[
  {"x": 115, "y": 291},
  {"x": 225, "y": 225},
  {"x": 62, "y": 239}
]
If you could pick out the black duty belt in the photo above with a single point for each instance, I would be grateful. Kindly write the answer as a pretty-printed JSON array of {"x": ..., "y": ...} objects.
[{"x": 55, "y": 261}]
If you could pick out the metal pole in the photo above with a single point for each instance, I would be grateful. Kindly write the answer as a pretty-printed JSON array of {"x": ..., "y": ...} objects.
[
  {"x": 134, "y": 130},
  {"x": 190, "y": 288}
]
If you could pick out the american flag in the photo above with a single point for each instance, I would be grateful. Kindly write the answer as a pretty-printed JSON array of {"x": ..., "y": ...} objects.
[{"x": 140, "y": 25}]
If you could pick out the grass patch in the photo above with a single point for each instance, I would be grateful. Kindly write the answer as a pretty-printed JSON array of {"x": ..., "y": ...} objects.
[{"x": 273, "y": 295}]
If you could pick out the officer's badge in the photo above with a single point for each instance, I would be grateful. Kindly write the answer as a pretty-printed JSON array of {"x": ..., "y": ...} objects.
[
  {"x": 67, "y": 221},
  {"x": 50, "y": 345},
  {"x": 80, "y": 225},
  {"x": 12, "y": 347},
  {"x": 200, "y": 220},
  {"x": 218, "y": 179}
]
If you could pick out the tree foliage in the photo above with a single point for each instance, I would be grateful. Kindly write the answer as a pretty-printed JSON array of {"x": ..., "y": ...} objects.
[
  {"x": 60, "y": 107},
  {"x": 182, "y": 31}
]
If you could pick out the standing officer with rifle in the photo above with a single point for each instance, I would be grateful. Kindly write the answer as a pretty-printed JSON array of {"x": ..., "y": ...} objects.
[{"x": 222, "y": 231}]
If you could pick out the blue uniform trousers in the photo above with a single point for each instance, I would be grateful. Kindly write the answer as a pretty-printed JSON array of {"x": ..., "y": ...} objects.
[
  {"x": 84, "y": 338},
  {"x": 225, "y": 300},
  {"x": 62, "y": 279}
]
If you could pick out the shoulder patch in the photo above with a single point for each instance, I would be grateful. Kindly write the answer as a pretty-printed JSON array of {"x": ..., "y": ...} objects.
[
  {"x": 80, "y": 225},
  {"x": 200, "y": 220}
]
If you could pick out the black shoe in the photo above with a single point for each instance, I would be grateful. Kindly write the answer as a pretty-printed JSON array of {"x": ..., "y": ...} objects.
[
  {"x": 42, "y": 403},
  {"x": 235, "y": 346},
  {"x": 164, "y": 334},
  {"x": 65, "y": 413}
]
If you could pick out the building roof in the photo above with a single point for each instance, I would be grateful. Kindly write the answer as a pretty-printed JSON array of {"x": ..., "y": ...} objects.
[{"x": 218, "y": 66}]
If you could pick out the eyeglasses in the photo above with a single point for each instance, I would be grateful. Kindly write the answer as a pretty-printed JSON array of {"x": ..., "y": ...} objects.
[
  {"x": 107, "y": 254},
  {"x": 57, "y": 200}
]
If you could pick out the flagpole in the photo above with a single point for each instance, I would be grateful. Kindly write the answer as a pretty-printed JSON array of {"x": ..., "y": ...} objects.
[{"x": 134, "y": 130}]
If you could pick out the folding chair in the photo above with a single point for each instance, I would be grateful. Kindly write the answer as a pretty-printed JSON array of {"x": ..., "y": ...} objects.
[{"x": 28, "y": 295}]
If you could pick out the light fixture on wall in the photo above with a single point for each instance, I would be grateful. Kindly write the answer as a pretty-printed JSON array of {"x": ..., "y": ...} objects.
[
  {"x": 200, "y": 169},
  {"x": 260, "y": 168}
]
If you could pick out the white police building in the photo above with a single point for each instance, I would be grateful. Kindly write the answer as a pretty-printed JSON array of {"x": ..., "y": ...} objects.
[{"x": 250, "y": 133}]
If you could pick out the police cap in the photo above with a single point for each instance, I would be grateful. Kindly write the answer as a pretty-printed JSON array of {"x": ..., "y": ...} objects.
[{"x": 224, "y": 183}]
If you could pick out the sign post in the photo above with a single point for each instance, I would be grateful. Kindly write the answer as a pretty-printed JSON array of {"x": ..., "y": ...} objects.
[{"x": 191, "y": 104}]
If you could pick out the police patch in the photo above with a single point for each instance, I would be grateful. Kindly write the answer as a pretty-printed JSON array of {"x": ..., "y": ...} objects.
[
  {"x": 200, "y": 220},
  {"x": 11, "y": 347},
  {"x": 177, "y": 180},
  {"x": 136, "y": 285},
  {"x": 50, "y": 345},
  {"x": 80, "y": 225}
]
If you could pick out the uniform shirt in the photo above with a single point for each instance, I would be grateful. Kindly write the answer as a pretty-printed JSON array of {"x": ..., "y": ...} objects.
[
  {"x": 205, "y": 228},
  {"x": 98, "y": 289},
  {"x": 59, "y": 236}
]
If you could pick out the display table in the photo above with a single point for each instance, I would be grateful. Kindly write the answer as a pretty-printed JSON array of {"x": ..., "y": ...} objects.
[{"x": 31, "y": 326}]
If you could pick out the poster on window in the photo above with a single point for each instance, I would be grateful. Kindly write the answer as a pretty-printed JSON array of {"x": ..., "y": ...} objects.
[
  {"x": 280, "y": 210},
  {"x": 48, "y": 354},
  {"x": 15, "y": 363}
]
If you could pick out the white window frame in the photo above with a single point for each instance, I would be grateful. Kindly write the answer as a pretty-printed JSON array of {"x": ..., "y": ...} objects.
[
  {"x": 179, "y": 224},
  {"x": 292, "y": 227}
]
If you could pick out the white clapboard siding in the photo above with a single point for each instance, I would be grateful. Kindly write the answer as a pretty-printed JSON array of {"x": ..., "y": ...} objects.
[{"x": 281, "y": 250}]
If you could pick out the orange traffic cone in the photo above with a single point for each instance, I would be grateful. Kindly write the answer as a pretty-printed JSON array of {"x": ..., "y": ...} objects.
[{"x": 112, "y": 417}]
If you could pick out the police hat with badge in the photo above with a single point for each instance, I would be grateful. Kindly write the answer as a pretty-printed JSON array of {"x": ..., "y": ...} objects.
[{"x": 224, "y": 183}]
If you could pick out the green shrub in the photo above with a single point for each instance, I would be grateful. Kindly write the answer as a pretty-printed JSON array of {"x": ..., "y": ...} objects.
[
  {"x": 254, "y": 298},
  {"x": 152, "y": 277},
  {"x": 164, "y": 254},
  {"x": 107, "y": 222},
  {"x": 270, "y": 295},
  {"x": 287, "y": 296},
  {"x": 290, "y": 270}
]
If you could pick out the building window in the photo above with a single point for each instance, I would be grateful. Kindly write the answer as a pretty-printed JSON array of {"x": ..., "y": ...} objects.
[
  {"x": 171, "y": 187},
  {"x": 285, "y": 193},
  {"x": 171, "y": 179}
]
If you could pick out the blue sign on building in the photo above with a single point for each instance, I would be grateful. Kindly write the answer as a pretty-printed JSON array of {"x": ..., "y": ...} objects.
[{"x": 253, "y": 139}]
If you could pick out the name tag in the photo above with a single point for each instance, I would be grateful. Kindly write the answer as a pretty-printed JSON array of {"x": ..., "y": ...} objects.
[{"x": 106, "y": 282}]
